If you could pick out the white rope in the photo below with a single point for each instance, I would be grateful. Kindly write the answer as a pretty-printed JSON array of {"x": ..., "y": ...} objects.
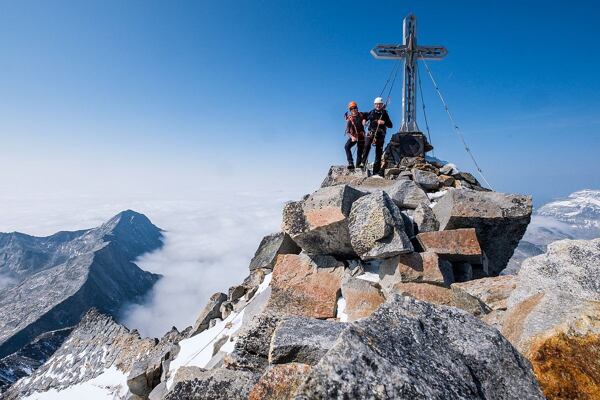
[{"x": 456, "y": 128}]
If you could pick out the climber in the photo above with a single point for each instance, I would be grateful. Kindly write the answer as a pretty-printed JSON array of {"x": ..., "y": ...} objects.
[
  {"x": 355, "y": 131},
  {"x": 378, "y": 120}
]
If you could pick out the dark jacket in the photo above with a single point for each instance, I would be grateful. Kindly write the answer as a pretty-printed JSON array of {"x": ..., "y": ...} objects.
[
  {"x": 354, "y": 125},
  {"x": 373, "y": 116}
]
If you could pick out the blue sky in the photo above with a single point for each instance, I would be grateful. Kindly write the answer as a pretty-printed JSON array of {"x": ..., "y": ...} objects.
[{"x": 162, "y": 98}]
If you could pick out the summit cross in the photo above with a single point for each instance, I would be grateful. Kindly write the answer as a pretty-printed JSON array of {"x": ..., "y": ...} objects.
[{"x": 410, "y": 52}]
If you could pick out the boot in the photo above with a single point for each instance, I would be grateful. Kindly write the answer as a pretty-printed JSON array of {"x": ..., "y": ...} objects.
[{"x": 351, "y": 166}]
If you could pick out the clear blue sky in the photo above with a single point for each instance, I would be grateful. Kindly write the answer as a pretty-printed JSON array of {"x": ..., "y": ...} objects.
[{"x": 143, "y": 96}]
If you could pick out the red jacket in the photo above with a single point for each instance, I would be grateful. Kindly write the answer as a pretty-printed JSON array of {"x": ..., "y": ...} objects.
[{"x": 354, "y": 125}]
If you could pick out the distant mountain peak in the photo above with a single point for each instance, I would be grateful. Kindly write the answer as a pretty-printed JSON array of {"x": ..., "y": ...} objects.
[{"x": 580, "y": 209}]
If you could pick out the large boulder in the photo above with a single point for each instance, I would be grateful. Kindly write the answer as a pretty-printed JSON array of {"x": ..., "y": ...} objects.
[
  {"x": 427, "y": 180},
  {"x": 341, "y": 175},
  {"x": 443, "y": 296},
  {"x": 410, "y": 349},
  {"x": 455, "y": 245},
  {"x": 303, "y": 340},
  {"x": 553, "y": 318},
  {"x": 500, "y": 220},
  {"x": 270, "y": 246},
  {"x": 306, "y": 285},
  {"x": 568, "y": 266},
  {"x": 424, "y": 267},
  {"x": 493, "y": 291},
  {"x": 377, "y": 227},
  {"x": 193, "y": 383},
  {"x": 210, "y": 311},
  {"x": 362, "y": 297},
  {"x": 280, "y": 382},
  {"x": 425, "y": 219},
  {"x": 405, "y": 193},
  {"x": 319, "y": 223}
]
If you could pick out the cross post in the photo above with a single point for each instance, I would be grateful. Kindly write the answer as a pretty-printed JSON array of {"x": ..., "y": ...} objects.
[{"x": 410, "y": 52}]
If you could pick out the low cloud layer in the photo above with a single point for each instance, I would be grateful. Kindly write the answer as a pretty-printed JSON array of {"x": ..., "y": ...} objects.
[{"x": 208, "y": 245}]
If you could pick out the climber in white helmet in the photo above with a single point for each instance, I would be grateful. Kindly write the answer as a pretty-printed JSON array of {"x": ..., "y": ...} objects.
[{"x": 378, "y": 121}]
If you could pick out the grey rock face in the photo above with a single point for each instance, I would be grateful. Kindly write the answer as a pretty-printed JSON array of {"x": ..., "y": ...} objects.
[
  {"x": 251, "y": 351},
  {"x": 270, "y": 247},
  {"x": 95, "y": 344},
  {"x": 30, "y": 357},
  {"x": 214, "y": 384},
  {"x": 303, "y": 340},
  {"x": 425, "y": 219},
  {"x": 410, "y": 349},
  {"x": 319, "y": 223},
  {"x": 64, "y": 275},
  {"x": 377, "y": 228},
  {"x": 340, "y": 175},
  {"x": 569, "y": 266},
  {"x": 499, "y": 219},
  {"x": 427, "y": 180},
  {"x": 407, "y": 194},
  {"x": 210, "y": 311}
]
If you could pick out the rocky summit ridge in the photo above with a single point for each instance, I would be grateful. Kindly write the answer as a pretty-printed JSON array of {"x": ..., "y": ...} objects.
[
  {"x": 375, "y": 288},
  {"x": 58, "y": 278}
]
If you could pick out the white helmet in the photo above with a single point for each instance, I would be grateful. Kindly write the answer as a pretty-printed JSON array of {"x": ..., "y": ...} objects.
[{"x": 378, "y": 100}]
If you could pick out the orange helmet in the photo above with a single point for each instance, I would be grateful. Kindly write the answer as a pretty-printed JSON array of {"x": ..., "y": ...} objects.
[{"x": 352, "y": 104}]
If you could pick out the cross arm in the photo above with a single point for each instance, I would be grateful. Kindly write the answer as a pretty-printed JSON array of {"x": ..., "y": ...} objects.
[
  {"x": 389, "y": 51},
  {"x": 432, "y": 52}
]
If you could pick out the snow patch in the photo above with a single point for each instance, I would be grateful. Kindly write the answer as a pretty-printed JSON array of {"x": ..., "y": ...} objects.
[
  {"x": 341, "y": 310},
  {"x": 110, "y": 384},
  {"x": 369, "y": 276}
]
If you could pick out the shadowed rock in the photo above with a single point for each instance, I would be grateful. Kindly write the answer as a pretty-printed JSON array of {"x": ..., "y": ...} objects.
[
  {"x": 414, "y": 350},
  {"x": 362, "y": 297},
  {"x": 210, "y": 311},
  {"x": 303, "y": 340},
  {"x": 416, "y": 267},
  {"x": 270, "y": 246},
  {"x": 193, "y": 383},
  {"x": 319, "y": 223},
  {"x": 499, "y": 219}
]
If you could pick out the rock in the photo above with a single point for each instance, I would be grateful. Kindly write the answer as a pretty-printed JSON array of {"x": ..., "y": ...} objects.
[
  {"x": 158, "y": 392},
  {"x": 144, "y": 376},
  {"x": 414, "y": 350},
  {"x": 467, "y": 177},
  {"x": 213, "y": 322},
  {"x": 376, "y": 227},
  {"x": 455, "y": 245},
  {"x": 568, "y": 266},
  {"x": 304, "y": 285},
  {"x": 211, "y": 311},
  {"x": 446, "y": 180},
  {"x": 392, "y": 173},
  {"x": 279, "y": 382},
  {"x": 269, "y": 247},
  {"x": 492, "y": 291},
  {"x": 362, "y": 297},
  {"x": 553, "y": 318},
  {"x": 251, "y": 350},
  {"x": 560, "y": 335},
  {"x": 236, "y": 292},
  {"x": 442, "y": 296},
  {"x": 427, "y": 180},
  {"x": 303, "y": 340},
  {"x": 425, "y": 219},
  {"x": 226, "y": 309},
  {"x": 215, "y": 384},
  {"x": 319, "y": 223},
  {"x": 416, "y": 267},
  {"x": 449, "y": 169},
  {"x": 407, "y": 194},
  {"x": 463, "y": 271},
  {"x": 500, "y": 220},
  {"x": 340, "y": 175},
  {"x": 410, "y": 162}
]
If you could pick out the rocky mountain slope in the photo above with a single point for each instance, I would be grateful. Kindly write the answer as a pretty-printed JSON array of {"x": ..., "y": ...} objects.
[
  {"x": 369, "y": 291},
  {"x": 575, "y": 217},
  {"x": 57, "y": 279}
]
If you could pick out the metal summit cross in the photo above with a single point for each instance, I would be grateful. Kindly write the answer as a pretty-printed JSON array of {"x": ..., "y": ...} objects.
[{"x": 410, "y": 52}]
